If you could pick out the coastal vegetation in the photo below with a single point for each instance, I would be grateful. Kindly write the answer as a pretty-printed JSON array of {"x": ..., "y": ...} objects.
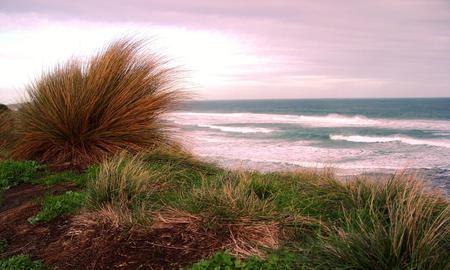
[{"x": 92, "y": 178}]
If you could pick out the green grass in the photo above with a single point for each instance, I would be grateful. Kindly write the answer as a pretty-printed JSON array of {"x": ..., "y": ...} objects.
[
  {"x": 317, "y": 221},
  {"x": 223, "y": 260},
  {"x": 65, "y": 177},
  {"x": 392, "y": 224},
  {"x": 16, "y": 172},
  {"x": 124, "y": 184},
  {"x": 55, "y": 206},
  {"x": 13, "y": 173},
  {"x": 21, "y": 262},
  {"x": 327, "y": 223}
]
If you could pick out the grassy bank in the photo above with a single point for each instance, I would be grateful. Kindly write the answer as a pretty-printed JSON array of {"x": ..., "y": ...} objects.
[{"x": 304, "y": 219}]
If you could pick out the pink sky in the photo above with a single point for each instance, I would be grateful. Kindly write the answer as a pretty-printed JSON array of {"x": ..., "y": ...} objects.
[{"x": 245, "y": 49}]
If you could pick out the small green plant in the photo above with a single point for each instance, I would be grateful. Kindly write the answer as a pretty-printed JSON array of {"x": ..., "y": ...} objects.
[
  {"x": 3, "y": 245},
  {"x": 223, "y": 260},
  {"x": 54, "y": 206},
  {"x": 15, "y": 172},
  {"x": 21, "y": 262}
]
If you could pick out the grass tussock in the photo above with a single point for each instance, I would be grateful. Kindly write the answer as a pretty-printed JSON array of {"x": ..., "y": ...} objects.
[
  {"x": 227, "y": 205},
  {"x": 121, "y": 185},
  {"x": 393, "y": 224},
  {"x": 7, "y": 132},
  {"x": 81, "y": 112}
]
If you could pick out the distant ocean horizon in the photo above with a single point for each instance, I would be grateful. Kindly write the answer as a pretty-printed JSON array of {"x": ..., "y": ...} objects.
[{"x": 353, "y": 136}]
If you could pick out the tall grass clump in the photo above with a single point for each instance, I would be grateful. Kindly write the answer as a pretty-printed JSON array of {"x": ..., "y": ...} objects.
[
  {"x": 121, "y": 185},
  {"x": 393, "y": 224},
  {"x": 6, "y": 131},
  {"x": 82, "y": 111}
]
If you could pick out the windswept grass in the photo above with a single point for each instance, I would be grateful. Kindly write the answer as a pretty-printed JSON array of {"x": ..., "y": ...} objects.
[
  {"x": 7, "y": 132},
  {"x": 79, "y": 113},
  {"x": 121, "y": 185},
  {"x": 392, "y": 224}
]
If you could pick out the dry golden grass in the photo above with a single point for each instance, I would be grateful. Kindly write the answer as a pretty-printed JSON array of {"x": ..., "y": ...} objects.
[
  {"x": 7, "y": 134},
  {"x": 243, "y": 237},
  {"x": 120, "y": 187},
  {"x": 79, "y": 113},
  {"x": 395, "y": 223}
]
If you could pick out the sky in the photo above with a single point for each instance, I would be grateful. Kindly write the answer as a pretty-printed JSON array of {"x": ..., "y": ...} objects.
[{"x": 252, "y": 49}]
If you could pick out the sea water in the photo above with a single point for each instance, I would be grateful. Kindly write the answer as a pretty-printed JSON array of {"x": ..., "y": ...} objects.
[{"x": 351, "y": 135}]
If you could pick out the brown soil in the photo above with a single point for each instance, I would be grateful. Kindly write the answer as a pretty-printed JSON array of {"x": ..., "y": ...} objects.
[
  {"x": 19, "y": 204},
  {"x": 88, "y": 242}
]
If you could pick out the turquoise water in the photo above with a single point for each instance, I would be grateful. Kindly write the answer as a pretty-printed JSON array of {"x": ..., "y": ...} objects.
[{"x": 351, "y": 135}]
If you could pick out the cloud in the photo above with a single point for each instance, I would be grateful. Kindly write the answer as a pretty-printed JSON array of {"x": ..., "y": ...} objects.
[{"x": 372, "y": 48}]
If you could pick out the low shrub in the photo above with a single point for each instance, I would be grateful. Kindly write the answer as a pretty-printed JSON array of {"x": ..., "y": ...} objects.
[
  {"x": 21, "y": 262},
  {"x": 55, "y": 206}
]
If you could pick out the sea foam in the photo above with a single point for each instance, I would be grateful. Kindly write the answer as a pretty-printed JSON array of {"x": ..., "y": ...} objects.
[
  {"x": 237, "y": 129},
  {"x": 330, "y": 120},
  {"x": 374, "y": 139}
]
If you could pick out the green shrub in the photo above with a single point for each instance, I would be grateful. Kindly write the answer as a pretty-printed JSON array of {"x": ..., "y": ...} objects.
[
  {"x": 82, "y": 112},
  {"x": 54, "y": 206},
  {"x": 15, "y": 172},
  {"x": 21, "y": 262}
]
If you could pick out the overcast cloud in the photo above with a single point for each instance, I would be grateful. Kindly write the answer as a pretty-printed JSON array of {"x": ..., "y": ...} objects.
[{"x": 246, "y": 49}]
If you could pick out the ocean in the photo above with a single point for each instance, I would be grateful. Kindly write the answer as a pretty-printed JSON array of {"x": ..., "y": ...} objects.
[{"x": 353, "y": 136}]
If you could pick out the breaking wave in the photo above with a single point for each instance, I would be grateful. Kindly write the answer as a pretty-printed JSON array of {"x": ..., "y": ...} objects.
[
  {"x": 330, "y": 120},
  {"x": 374, "y": 139}
]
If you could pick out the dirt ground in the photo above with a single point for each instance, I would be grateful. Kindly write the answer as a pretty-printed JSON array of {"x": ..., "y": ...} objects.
[{"x": 65, "y": 243}]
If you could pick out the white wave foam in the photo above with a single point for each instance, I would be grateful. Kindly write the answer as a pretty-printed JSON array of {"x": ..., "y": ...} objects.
[
  {"x": 272, "y": 154},
  {"x": 407, "y": 140},
  {"x": 237, "y": 129},
  {"x": 331, "y": 120}
]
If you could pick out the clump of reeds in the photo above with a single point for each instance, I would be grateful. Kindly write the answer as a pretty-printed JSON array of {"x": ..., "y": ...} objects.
[
  {"x": 81, "y": 112},
  {"x": 7, "y": 134},
  {"x": 121, "y": 186},
  {"x": 392, "y": 224}
]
